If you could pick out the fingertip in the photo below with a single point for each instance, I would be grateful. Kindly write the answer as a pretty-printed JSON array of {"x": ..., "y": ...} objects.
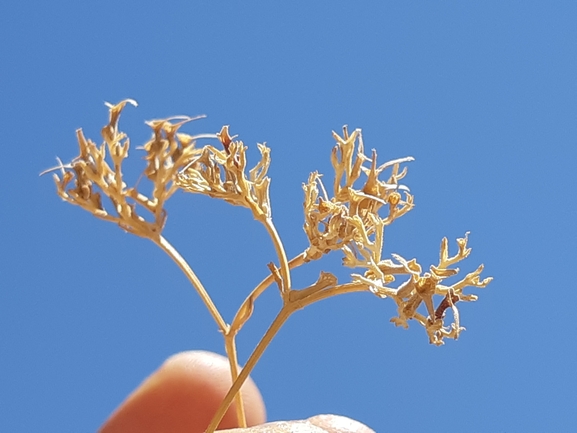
[
  {"x": 339, "y": 424},
  {"x": 182, "y": 396}
]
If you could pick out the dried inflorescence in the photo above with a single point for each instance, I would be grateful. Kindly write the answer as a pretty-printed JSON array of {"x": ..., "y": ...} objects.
[
  {"x": 353, "y": 220},
  {"x": 221, "y": 174},
  {"x": 345, "y": 220},
  {"x": 421, "y": 288},
  {"x": 89, "y": 176},
  {"x": 350, "y": 221}
]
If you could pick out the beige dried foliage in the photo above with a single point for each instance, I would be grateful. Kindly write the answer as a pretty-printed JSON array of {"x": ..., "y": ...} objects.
[{"x": 367, "y": 197}]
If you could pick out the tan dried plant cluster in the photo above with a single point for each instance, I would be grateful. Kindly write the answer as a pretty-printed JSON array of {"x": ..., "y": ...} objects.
[{"x": 352, "y": 220}]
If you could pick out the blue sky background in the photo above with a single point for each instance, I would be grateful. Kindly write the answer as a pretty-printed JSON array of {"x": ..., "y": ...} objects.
[{"x": 483, "y": 95}]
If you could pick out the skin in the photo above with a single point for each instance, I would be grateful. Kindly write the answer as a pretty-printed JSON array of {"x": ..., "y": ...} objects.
[{"x": 183, "y": 394}]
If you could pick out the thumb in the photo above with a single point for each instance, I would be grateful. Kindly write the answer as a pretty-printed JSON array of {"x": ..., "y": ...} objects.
[{"x": 316, "y": 424}]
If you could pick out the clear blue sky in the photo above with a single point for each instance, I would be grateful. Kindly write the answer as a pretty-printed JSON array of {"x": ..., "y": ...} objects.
[{"x": 482, "y": 94}]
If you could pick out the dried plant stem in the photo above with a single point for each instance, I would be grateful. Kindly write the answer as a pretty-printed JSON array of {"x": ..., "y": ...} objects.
[
  {"x": 230, "y": 347},
  {"x": 293, "y": 263},
  {"x": 277, "y": 323},
  {"x": 239, "y": 318},
  {"x": 341, "y": 289},
  {"x": 229, "y": 339},
  {"x": 278, "y": 246},
  {"x": 286, "y": 311},
  {"x": 184, "y": 267}
]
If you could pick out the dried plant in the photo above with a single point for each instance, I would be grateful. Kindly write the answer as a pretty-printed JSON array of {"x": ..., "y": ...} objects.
[{"x": 352, "y": 220}]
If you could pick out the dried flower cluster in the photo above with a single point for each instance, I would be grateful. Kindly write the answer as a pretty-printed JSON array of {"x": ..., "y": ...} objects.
[
  {"x": 221, "y": 174},
  {"x": 92, "y": 176},
  {"x": 352, "y": 220}
]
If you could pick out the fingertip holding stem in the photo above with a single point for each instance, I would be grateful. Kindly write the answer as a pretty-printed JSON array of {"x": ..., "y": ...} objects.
[{"x": 182, "y": 396}]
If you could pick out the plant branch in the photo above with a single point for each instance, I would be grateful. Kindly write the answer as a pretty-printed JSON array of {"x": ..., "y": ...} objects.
[
  {"x": 340, "y": 289},
  {"x": 280, "y": 251},
  {"x": 245, "y": 310},
  {"x": 230, "y": 347},
  {"x": 288, "y": 308},
  {"x": 277, "y": 323},
  {"x": 184, "y": 267}
]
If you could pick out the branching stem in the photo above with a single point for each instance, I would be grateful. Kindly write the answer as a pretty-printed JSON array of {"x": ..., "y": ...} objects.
[
  {"x": 341, "y": 289},
  {"x": 238, "y": 320},
  {"x": 277, "y": 323},
  {"x": 288, "y": 308}
]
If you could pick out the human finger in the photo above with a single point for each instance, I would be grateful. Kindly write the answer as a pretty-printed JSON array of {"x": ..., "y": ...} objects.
[
  {"x": 182, "y": 396},
  {"x": 316, "y": 424}
]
